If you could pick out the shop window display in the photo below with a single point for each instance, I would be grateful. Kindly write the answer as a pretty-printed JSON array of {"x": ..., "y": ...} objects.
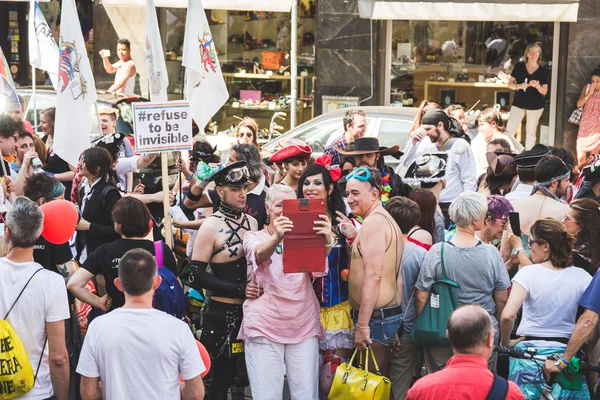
[
  {"x": 462, "y": 62},
  {"x": 254, "y": 52}
]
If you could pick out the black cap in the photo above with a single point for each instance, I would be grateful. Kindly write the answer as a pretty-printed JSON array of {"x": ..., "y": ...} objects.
[
  {"x": 591, "y": 172},
  {"x": 111, "y": 142},
  {"x": 235, "y": 174},
  {"x": 530, "y": 158}
]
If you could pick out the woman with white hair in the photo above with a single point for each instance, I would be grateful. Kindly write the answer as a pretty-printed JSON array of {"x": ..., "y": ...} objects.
[
  {"x": 476, "y": 266},
  {"x": 281, "y": 323}
]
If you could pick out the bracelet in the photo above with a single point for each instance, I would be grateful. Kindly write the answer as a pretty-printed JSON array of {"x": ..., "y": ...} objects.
[
  {"x": 189, "y": 178},
  {"x": 362, "y": 327},
  {"x": 331, "y": 243},
  {"x": 563, "y": 362},
  {"x": 193, "y": 197}
]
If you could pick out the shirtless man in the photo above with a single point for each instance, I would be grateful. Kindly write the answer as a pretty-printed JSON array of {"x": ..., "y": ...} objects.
[
  {"x": 376, "y": 253},
  {"x": 551, "y": 181},
  {"x": 124, "y": 68},
  {"x": 219, "y": 243}
]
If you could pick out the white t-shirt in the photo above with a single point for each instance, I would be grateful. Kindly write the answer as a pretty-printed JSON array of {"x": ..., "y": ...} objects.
[
  {"x": 550, "y": 308},
  {"x": 461, "y": 170},
  {"x": 126, "y": 164},
  {"x": 44, "y": 300},
  {"x": 138, "y": 353}
]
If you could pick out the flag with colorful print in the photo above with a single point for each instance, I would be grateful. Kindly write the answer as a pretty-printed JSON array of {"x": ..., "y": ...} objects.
[
  {"x": 43, "y": 50},
  {"x": 76, "y": 95},
  {"x": 204, "y": 84},
  {"x": 8, "y": 91},
  {"x": 155, "y": 60}
]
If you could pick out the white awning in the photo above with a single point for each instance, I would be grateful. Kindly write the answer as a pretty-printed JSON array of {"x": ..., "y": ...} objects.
[
  {"x": 238, "y": 5},
  {"x": 471, "y": 10}
]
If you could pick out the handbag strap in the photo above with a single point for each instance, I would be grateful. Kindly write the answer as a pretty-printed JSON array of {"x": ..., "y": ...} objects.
[
  {"x": 499, "y": 389},
  {"x": 158, "y": 253},
  {"x": 443, "y": 265}
]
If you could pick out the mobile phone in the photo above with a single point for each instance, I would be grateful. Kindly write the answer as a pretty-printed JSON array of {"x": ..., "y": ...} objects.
[{"x": 515, "y": 223}]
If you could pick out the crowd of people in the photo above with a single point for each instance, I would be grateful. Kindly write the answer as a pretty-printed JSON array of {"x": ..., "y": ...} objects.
[{"x": 85, "y": 308}]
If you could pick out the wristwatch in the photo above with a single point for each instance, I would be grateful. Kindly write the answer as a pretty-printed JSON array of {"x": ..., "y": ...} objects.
[{"x": 516, "y": 251}]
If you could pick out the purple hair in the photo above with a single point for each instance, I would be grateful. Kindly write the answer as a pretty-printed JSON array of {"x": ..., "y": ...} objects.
[{"x": 498, "y": 207}]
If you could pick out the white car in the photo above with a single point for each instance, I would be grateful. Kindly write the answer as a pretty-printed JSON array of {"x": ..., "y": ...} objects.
[{"x": 388, "y": 124}]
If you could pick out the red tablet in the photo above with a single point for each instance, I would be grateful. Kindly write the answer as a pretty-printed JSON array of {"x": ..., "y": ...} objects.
[{"x": 303, "y": 248}]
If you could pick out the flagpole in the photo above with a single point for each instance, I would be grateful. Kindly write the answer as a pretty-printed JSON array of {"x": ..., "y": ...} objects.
[
  {"x": 294, "y": 65},
  {"x": 33, "y": 84}
]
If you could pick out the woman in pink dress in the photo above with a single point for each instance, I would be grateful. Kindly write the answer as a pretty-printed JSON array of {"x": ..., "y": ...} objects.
[
  {"x": 281, "y": 324},
  {"x": 588, "y": 137}
]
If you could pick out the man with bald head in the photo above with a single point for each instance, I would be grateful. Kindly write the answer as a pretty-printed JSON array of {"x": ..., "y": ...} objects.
[{"x": 471, "y": 335}]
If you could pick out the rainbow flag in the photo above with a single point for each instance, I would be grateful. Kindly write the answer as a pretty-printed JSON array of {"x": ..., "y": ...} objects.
[{"x": 8, "y": 92}]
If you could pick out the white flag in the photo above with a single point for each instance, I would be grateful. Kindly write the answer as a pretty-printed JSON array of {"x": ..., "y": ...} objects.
[
  {"x": 155, "y": 59},
  {"x": 43, "y": 50},
  {"x": 76, "y": 94},
  {"x": 204, "y": 84}
]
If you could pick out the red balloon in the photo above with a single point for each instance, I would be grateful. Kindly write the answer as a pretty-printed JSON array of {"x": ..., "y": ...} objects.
[
  {"x": 60, "y": 220},
  {"x": 205, "y": 359}
]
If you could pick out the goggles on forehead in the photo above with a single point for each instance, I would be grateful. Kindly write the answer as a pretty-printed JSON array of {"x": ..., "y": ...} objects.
[
  {"x": 363, "y": 175},
  {"x": 237, "y": 174}
]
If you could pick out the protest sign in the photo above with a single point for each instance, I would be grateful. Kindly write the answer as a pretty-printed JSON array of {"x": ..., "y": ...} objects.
[{"x": 162, "y": 127}]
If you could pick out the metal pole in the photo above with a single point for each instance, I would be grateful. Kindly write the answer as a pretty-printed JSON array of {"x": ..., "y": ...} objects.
[
  {"x": 35, "y": 119},
  {"x": 294, "y": 65}
]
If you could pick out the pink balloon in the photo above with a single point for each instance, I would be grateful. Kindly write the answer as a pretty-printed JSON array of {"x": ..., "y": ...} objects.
[{"x": 60, "y": 220}]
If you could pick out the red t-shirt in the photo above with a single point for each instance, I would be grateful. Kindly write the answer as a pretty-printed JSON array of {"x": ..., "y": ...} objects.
[{"x": 466, "y": 377}]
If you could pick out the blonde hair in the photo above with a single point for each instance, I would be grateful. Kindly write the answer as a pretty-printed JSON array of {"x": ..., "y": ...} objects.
[
  {"x": 490, "y": 115},
  {"x": 529, "y": 48},
  {"x": 109, "y": 111},
  {"x": 273, "y": 192}
]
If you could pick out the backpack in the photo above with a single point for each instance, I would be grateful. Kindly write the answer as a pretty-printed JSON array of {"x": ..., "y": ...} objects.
[
  {"x": 430, "y": 325},
  {"x": 169, "y": 296},
  {"x": 16, "y": 375}
]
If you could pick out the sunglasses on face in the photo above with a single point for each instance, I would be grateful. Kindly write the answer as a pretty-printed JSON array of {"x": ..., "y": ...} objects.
[
  {"x": 502, "y": 222},
  {"x": 532, "y": 242},
  {"x": 248, "y": 134}
]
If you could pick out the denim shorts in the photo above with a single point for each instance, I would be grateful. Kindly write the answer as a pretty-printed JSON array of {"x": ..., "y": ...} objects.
[{"x": 383, "y": 330}]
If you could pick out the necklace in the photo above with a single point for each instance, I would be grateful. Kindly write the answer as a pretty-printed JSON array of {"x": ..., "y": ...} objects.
[
  {"x": 279, "y": 247},
  {"x": 229, "y": 211},
  {"x": 385, "y": 188}
]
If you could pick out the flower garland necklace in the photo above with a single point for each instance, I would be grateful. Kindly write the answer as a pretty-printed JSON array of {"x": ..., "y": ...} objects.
[{"x": 385, "y": 188}]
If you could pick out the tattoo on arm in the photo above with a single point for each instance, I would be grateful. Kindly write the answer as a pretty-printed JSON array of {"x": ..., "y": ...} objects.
[{"x": 63, "y": 270}]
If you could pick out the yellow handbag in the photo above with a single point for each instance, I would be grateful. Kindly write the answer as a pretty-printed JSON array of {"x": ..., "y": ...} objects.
[{"x": 355, "y": 383}]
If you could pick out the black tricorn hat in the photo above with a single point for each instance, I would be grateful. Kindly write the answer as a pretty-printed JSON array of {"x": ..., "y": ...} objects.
[{"x": 530, "y": 158}]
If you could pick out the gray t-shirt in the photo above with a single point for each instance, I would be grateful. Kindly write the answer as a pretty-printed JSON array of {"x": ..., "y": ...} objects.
[
  {"x": 438, "y": 230},
  {"x": 412, "y": 259},
  {"x": 478, "y": 270}
]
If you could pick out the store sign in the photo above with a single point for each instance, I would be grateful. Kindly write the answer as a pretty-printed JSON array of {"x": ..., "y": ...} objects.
[
  {"x": 240, "y": 5},
  {"x": 162, "y": 127},
  {"x": 471, "y": 10}
]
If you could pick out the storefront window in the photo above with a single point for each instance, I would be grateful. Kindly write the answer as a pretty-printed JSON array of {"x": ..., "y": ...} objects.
[
  {"x": 468, "y": 63},
  {"x": 253, "y": 49}
]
